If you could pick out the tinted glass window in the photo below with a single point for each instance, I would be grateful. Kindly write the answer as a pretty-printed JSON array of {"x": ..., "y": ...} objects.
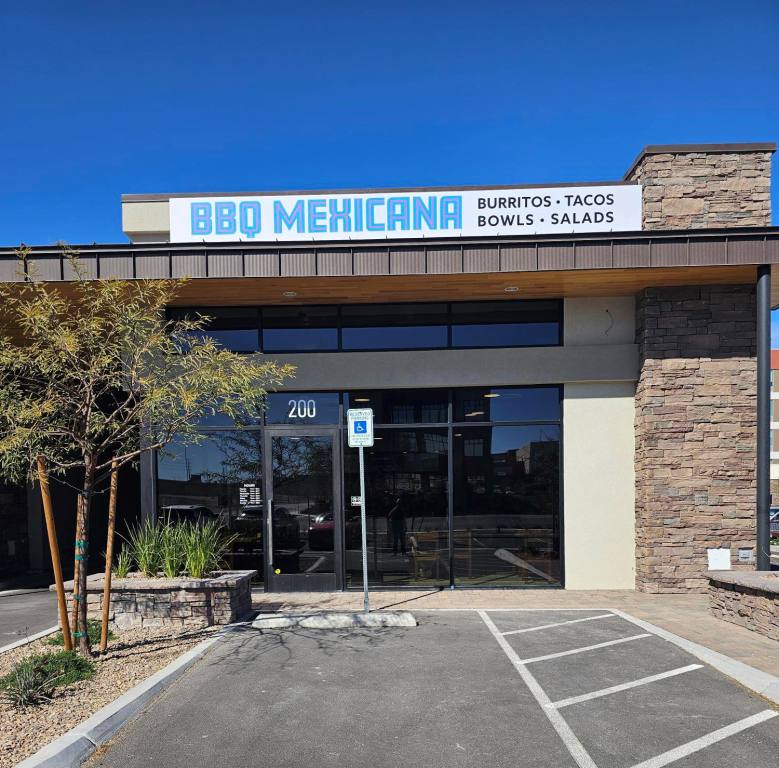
[
  {"x": 217, "y": 479},
  {"x": 394, "y": 326},
  {"x": 506, "y": 505},
  {"x": 302, "y": 408},
  {"x": 236, "y": 329},
  {"x": 506, "y": 324},
  {"x": 402, "y": 406},
  {"x": 290, "y": 329},
  {"x": 507, "y": 404},
  {"x": 406, "y": 474}
]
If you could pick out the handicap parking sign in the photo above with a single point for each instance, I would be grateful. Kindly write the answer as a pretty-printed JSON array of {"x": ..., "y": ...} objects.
[{"x": 360, "y": 422}]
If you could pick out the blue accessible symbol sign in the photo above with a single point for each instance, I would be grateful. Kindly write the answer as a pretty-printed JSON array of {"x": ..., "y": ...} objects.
[{"x": 360, "y": 421}]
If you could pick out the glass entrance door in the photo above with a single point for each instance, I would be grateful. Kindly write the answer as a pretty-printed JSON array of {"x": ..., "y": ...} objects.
[{"x": 302, "y": 524}]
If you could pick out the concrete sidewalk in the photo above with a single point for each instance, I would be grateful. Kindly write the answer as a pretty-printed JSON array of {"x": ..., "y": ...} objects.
[{"x": 684, "y": 615}]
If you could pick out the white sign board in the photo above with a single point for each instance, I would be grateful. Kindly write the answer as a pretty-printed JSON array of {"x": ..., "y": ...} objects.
[
  {"x": 356, "y": 501},
  {"x": 719, "y": 559},
  {"x": 360, "y": 427},
  {"x": 401, "y": 214}
]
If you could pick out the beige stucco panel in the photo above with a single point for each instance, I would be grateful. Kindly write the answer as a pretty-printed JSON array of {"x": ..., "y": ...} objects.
[
  {"x": 599, "y": 485},
  {"x": 149, "y": 217},
  {"x": 608, "y": 320}
]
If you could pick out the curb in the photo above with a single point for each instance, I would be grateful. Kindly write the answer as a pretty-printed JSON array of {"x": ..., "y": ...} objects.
[
  {"x": 755, "y": 679},
  {"x": 335, "y": 620},
  {"x": 29, "y": 639},
  {"x": 73, "y": 747}
]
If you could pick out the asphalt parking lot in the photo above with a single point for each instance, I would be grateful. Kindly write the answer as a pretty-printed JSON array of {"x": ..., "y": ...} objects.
[
  {"x": 464, "y": 688},
  {"x": 26, "y": 612}
]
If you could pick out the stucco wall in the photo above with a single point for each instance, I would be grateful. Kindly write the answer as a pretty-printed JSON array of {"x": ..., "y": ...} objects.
[
  {"x": 598, "y": 449},
  {"x": 599, "y": 321},
  {"x": 599, "y": 485}
]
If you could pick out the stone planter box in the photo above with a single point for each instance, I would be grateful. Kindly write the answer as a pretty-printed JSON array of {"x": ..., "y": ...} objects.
[
  {"x": 138, "y": 602},
  {"x": 747, "y": 598}
]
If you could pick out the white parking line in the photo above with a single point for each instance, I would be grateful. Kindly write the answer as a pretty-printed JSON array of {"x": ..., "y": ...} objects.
[
  {"x": 624, "y": 686},
  {"x": 585, "y": 648},
  {"x": 706, "y": 741},
  {"x": 558, "y": 624},
  {"x": 574, "y": 746}
]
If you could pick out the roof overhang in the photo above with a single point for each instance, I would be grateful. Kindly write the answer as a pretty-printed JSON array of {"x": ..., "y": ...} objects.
[{"x": 416, "y": 270}]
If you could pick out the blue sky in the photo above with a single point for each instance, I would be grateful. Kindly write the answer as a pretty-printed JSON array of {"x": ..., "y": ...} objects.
[{"x": 104, "y": 98}]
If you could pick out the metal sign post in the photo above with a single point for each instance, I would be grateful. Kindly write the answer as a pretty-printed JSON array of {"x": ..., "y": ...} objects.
[{"x": 360, "y": 422}]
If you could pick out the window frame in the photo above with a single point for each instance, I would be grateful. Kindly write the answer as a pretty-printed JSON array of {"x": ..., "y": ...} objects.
[{"x": 449, "y": 324}]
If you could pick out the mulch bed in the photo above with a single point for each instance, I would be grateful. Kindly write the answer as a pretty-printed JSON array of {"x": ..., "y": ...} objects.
[{"x": 131, "y": 657}]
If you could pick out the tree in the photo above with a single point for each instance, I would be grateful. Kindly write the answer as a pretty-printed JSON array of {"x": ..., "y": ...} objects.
[{"x": 92, "y": 373}]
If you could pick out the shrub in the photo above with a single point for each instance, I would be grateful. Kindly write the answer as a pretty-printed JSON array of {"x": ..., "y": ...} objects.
[
  {"x": 93, "y": 629},
  {"x": 123, "y": 563},
  {"x": 205, "y": 546},
  {"x": 172, "y": 551},
  {"x": 32, "y": 680},
  {"x": 143, "y": 540}
]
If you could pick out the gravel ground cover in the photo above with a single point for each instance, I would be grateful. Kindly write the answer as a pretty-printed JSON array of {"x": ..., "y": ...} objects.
[{"x": 132, "y": 657}]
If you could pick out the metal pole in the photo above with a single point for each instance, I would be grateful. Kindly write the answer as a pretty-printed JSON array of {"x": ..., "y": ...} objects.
[
  {"x": 364, "y": 526},
  {"x": 763, "y": 417}
]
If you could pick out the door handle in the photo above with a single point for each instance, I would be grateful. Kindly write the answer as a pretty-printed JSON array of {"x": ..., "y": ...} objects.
[{"x": 269, "y": 524}]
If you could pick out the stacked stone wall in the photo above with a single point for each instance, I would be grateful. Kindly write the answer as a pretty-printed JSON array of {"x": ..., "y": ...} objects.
[
  {"x": 146, "y": 603},
  {"x": 754, "y": 606},
  {"x": 697, "y": 190},
  {"x": 695, "y": 431}
]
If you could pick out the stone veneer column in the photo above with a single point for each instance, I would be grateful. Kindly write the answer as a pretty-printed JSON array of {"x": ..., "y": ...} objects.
[
  {"x": 700, "y": 186},
  {"x": 695, "y": 431}
]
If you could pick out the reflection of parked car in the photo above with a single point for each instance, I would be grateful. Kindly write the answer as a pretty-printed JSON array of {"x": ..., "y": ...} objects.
[
  {"x": 247, "y": 525},
  {"x": 187, "y": 513},
  {"x": 321, "y": 532}
]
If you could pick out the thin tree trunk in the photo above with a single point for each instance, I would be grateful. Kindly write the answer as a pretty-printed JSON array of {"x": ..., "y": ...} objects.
[
  {"x": 83, "y": 526},
  {"x": 109, "y": 556},
  {"x": 76, "y": 572},
  {"x": 51, "y": 530}
]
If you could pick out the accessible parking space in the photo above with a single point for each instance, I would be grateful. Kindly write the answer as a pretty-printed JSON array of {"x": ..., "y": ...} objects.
[{"x": 464, "y": 688}]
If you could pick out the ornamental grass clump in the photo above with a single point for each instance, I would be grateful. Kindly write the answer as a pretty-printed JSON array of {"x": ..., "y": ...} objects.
[
  {"x": 205, "y": 546},
  {"x": 123, "y": 563},
  {"x": 144, "y": 541},
  {"x": 172, "y": 549},
  {"x": 32, "y": 680}
]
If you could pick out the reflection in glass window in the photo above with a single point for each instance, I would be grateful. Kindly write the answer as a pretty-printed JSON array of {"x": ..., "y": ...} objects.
[
  {"x": 507, "y": 404},
  {"x": 291, "y": 329},
  {"x": 406, "y": 477},
  {"x": 506, "y": 324},
  {"x": 506, "y": 505},
  {"x": 403, "y": 406},
  {"x": 217, "y": 479},
  {"x": 234, "y": 328},
  {"x": 394, "y": 326}
]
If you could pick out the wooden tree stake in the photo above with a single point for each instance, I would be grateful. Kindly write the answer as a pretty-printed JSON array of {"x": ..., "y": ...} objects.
[
  {"x": 109, "y": 556},
  {"x": 51, "y": 530}
]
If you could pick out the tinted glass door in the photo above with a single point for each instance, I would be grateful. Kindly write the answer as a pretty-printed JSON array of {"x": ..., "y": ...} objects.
[{"x": 301, "y": 520}]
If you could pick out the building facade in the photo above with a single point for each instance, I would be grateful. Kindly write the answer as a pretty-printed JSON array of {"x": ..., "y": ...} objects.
[{"x": 557, "y": 403}]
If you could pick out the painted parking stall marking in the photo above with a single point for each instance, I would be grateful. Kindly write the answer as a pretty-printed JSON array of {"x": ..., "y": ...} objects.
[
  {"x": 624, "y": 686},
  {"x": 551, "y": 708},
  {"x": 556, "y": 624}
]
